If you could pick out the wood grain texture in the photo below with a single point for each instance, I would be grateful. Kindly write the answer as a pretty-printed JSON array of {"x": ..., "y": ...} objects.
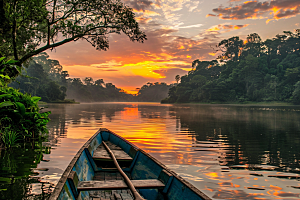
[
  {"x": 119, "y": 184},
  {"x": 101, "y": 153}
]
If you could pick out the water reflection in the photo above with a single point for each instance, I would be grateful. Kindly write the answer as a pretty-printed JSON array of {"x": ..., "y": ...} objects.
[
  {"x": 19, "y": 172},
  {"x": 215, "y": 147},
  {"x": 246, "y": 135},
  {"x": 228, "y": 152}
]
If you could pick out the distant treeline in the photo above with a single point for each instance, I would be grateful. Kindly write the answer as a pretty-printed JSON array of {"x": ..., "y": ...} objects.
[
  {"x": 45, "y": 77},
  {"x": 249, "y": 70}
]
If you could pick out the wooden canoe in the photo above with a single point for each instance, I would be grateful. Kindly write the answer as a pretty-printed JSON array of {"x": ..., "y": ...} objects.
[{"x": 93, "y": 175}]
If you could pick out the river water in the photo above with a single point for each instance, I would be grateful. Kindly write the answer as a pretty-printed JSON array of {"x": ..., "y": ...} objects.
[{"x": 226, "y": 151}]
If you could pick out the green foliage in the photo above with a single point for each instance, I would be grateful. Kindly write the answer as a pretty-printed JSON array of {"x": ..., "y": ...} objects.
[
  {"x": 29, "y": 27},
  {"x": 8, "y": 71},
  {"x": 43, "y": 77},
  {"x": 246, "y": 71},
  {"x": 296, "y": 94},
  {"x": 153, "y": 92},
  {"x": 20, "y": 115},
  {"x": 95, "y": 91},
  {"x": 9, "y": 137}
]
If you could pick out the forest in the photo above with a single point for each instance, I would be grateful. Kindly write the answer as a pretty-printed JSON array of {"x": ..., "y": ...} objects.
[
  {"x": 249, "y": 70},
  {"x": 44, "y": 77}
]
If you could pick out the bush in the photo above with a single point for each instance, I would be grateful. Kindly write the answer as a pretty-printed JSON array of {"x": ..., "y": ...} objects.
[{"x": 20, "y": 115}]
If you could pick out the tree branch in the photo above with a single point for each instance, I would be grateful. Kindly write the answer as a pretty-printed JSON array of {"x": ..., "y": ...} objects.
[{"x": 44, "y": 48}]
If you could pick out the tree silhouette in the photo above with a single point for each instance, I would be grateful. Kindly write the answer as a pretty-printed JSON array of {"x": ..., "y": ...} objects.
[
  {"x": 88, "y": 80},
  {"x": 177, "y": 78},
  {"x": 231, "y": 48},
  {"x": 33, "y": 26},
  {"x": 99, "y": 82}
]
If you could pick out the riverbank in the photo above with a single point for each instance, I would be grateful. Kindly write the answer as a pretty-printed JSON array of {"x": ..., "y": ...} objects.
[
  {"x": 265, "y": 103},
  {"x": 66, "y": 101}
]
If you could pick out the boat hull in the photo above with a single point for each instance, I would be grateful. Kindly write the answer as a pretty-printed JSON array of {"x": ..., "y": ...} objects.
[{"x": 83, "y": 168}]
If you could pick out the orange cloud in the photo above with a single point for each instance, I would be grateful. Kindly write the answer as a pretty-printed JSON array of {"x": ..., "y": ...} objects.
[
  {"x": 257, "y": 10},
  {"x": 226, "y": 27},
  {"x": 146, "y": 12}
]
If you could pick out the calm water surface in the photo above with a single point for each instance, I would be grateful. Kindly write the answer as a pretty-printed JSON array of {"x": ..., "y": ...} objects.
[{"x": 226, "y": 151}]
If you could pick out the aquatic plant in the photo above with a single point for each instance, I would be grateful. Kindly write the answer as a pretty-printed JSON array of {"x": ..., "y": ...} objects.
[{"x": 9, "y": 138}]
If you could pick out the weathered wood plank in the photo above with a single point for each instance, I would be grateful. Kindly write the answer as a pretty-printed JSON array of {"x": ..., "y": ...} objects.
[
  {"x": 101, "y": 153},
  {"x": 119, "y": 184},
  {"x": 118, "y": 196}
]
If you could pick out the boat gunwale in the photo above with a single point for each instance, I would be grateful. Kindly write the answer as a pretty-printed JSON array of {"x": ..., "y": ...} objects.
[
  {"x": 63, "y": 179},
  {"x": 58, "y": 188}
]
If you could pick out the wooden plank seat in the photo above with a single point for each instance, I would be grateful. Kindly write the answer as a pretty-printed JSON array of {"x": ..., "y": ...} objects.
[
  {"x": 119, "y": 184},
  {"x": 101, "y": 153}
]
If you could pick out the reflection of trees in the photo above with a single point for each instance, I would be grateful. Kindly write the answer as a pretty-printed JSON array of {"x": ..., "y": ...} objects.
[
  {"x": 16, "y": 170},
  {"x": 249, "y": 135},
  {"x": 150, "y": 111},
  {"x": 64, "y": 114}
]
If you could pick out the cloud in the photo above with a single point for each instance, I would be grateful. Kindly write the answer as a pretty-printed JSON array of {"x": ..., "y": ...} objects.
[
  {"x": 107, "y": 64},
  {"x": 190, "y": 26},
  {"x": 140, "y": 5},
  {"x": 278, "y": 9},
  {"x": 192, "y": 6},
  {"x": 147, "y": 13},
  {"x": 211, "y": 15},
  {"x": 226, "y": 28}
]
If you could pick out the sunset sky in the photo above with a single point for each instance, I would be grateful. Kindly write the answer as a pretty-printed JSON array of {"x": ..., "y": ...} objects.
[{"x": 178, "y": 32}]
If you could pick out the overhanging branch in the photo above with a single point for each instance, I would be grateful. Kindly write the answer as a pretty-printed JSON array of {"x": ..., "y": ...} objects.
[{"x": 44, "y": 48}]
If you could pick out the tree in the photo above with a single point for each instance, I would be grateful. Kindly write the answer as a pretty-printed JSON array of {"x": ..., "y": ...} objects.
[
  {"x": 253, "y": 45},
  {"x": 88, "y": 80},
  {"x": 99, "y": 82},
  {"x": 177, "y": 78},
  {"x": 231, "y": 48},
  {"x": 33, "y": 26},
  {"x": 64, "y": 74}
]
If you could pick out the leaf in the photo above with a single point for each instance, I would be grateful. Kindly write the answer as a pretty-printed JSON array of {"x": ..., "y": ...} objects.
[
  {"x": 21, "y": 108},
  {"x": 2, "y": 58},
  {"x": 10, "y": 62},
  {"x": 4, "y": 76},
  {"x": 6, "y": 103},
  {"x": 5, "y": 95},
  {"x": 35, "y": 99}
]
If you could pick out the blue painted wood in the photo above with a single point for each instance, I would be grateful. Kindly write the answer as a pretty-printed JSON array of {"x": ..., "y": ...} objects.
[
  {"x": 91, "y": 160},
  {"x": 66, "y": 193},
  {"x": 145, "y": 168},
  {"x": 114, "y": 139},
  {"x": 179, "y": 191},
  {"x": 94, "y": 144},
  {"x": 149, "y": 194},
  {"x": 84, "y": 168},
  {"x": 133, "y": 162},
  {"x": 73, "y": 182},
  {"x": 125, "y": 146},
  {"x": 105, "y": 135},
  {"x": 168, "y": 184}
]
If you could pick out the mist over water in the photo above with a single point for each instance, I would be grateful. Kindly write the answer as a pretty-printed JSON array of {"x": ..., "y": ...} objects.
[{"x": 226, "y": 151}]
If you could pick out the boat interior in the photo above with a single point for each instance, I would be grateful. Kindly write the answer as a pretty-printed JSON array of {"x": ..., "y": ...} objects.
[{"x": 94, "y": 174}]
